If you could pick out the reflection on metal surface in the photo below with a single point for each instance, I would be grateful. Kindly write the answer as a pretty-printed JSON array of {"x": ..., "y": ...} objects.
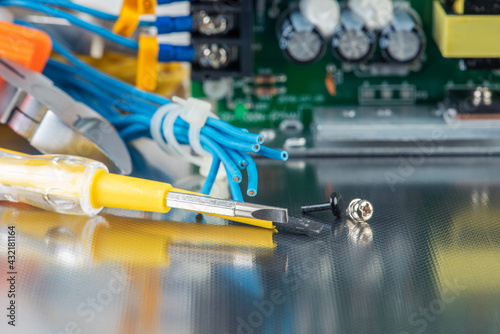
[
  {"x": 359, "y": 233},
  {"x": 427, "y": 263}
]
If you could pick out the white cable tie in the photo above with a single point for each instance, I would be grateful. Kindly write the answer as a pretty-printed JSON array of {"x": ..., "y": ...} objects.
[
  {"x": 169, "y": 134},
  {"x": 157, "y": 125},
  {"x": 162, "y": 131},
  {"x": 196, "y": 113}
]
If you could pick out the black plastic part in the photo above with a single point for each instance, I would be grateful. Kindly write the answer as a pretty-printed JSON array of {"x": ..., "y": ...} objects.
[
  {"x": 240, "y": 39},
  {"x": 481, "y": 7},
  {"x": 487, "y": 64}
]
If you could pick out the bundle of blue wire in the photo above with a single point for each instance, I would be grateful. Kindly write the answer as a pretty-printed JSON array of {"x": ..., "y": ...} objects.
[
  {"x": 131, "y": 110},
  {"x": 164, "y": 25}
]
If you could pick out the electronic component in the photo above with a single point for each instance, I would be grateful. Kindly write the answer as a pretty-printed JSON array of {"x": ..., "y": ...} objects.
[
  {"x": 324, "y": 14},
  {"x": 213, "y": 24},
  {"x": 215, "y": 56},
  {"x": 480, "y": 64},
  {"x": 268, "y": 79},
  {"x": 376, "y": 13},
  {"x": 222, "y": 39},
  {"x": 465, "y": 36},
  {"x": 353, "y": 41},
  {"x": 300, "y": 41},
  {"x": 403, "y": 41},
  {"x": 482, "y": 102}
]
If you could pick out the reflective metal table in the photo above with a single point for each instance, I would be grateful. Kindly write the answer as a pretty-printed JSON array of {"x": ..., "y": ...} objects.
[{"x": 427, "y": 262}]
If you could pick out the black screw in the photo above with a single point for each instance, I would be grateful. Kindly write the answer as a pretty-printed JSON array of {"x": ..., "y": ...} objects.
[{"x": 336, "y": 205}]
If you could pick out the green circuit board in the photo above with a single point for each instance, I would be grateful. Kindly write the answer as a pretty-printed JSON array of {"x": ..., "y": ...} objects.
[{"x": 305, "y": 88}]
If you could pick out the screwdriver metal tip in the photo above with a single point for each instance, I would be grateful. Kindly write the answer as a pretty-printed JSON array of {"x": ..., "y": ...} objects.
[{"x": 276, "y": 215}]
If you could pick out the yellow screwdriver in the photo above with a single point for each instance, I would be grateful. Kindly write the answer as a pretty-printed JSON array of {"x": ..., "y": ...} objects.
[{"x": 74, "y": 185}]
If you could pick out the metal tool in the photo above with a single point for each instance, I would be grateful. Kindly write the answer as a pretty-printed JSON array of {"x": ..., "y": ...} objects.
[
  {"x": 223, "y": 207},
  {"x": 54, "y": 123},
  {"x": 360, "y": 210},
  {"x": 336, "y": 205}
]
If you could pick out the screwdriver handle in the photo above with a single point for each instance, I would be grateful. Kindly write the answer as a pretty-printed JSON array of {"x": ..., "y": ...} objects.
[{"x": 59, "y": 183}]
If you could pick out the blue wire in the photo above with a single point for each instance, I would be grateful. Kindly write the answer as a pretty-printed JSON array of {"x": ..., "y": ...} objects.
[
  {"x": 238, "y": 158},
  {"x": 236, "y": 191},
  {"x": 71, "y": 5},
  {"x": 212, "y": 175},
  {"x": 211, "y": 146},
  {"x": 253, "y": 175},
  {"x": 273, "y": 154},
  {"x": 224, "y": 157},
  {"x": 222, "y": 138},
  {"x": 103, "y": 80},
  {"x": 133, "y": 131},
  {"x": 74, "y": 20},
  {"x": 237, "y": 133}
]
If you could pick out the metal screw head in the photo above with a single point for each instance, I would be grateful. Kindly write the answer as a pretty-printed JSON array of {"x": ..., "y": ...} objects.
[{"x": 360, "y": 210}]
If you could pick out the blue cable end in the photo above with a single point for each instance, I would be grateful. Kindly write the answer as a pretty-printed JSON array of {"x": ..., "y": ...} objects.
[
  {"x": 256, "y": 148},
  {"x": 284, "y": 155},
  {"x": 252, "y": 192},
  {"x": 261, "y": 139},
  {"x": 242, "y": 164}
]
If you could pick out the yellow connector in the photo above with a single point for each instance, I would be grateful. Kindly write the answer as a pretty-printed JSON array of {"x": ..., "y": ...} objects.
[
  {"x": 147, "y": 63},
  {"x": 466, "y": 36},
  {"x": 130, "y": 15}
]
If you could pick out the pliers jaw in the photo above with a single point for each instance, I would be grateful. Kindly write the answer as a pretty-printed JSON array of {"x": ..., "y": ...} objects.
[{"x": 54, "y": 123}]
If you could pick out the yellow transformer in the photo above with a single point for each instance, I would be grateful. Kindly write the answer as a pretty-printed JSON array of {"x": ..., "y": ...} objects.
[{"x": 466, "y": 36}]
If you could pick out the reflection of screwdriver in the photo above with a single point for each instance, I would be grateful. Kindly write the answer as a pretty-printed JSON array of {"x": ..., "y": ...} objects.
[
  {"x": 74, "y": 185},
  {"x": 118, "y": 239}
]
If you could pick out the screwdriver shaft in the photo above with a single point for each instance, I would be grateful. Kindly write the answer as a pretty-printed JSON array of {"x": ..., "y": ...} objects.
[{"x": 221, "y": 207}]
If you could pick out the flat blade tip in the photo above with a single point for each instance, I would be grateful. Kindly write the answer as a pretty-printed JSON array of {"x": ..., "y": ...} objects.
[{"x": 276, "y": 215}]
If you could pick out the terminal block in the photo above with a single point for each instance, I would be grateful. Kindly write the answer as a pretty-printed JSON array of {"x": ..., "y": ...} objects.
[{"x": 222, "y": 38}]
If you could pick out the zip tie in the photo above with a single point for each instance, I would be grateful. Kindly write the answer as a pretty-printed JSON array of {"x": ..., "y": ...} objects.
[
  {"x": 196, "y": 112},
  {"x": 162, "y": 131}
]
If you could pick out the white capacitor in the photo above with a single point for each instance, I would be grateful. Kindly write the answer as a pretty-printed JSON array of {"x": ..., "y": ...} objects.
[
  {"x": 376, "y": 13},
  {"x": 324, "y": 14}
]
